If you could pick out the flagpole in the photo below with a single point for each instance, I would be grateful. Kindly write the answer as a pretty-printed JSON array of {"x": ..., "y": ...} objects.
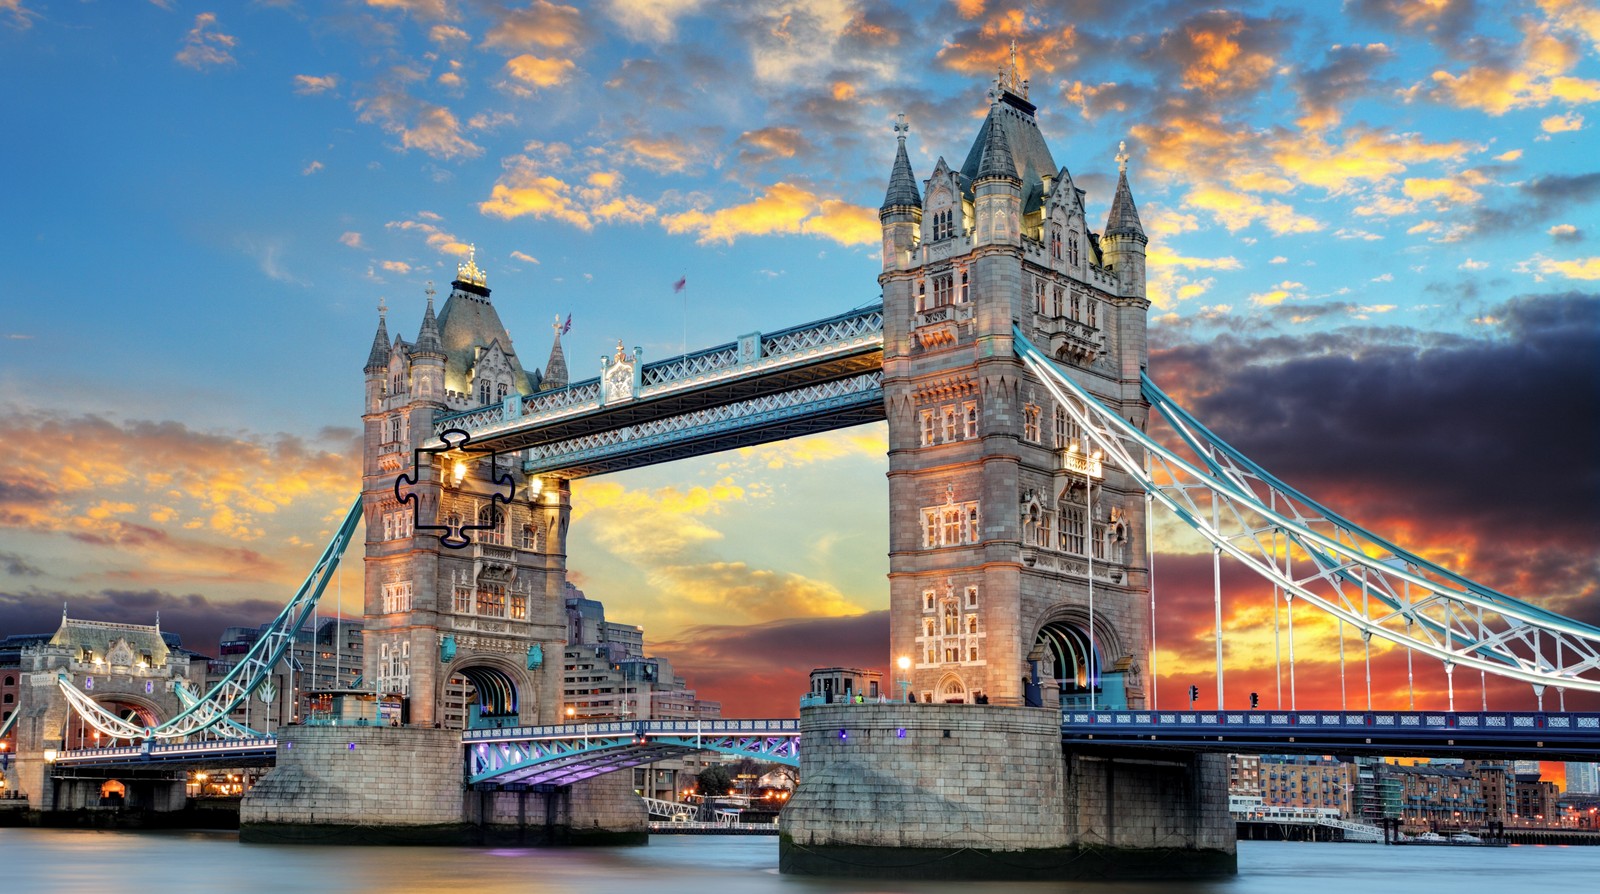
[{"x": 685, "y": 281}]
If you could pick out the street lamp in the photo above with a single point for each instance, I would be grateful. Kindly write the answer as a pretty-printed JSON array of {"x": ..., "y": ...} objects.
[{"x": 905, "y": 681}]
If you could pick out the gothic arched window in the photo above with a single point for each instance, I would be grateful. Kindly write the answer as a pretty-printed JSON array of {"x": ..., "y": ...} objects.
[{"x": 483, "y": 391}]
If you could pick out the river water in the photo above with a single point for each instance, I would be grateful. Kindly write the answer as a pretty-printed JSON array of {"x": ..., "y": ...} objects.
[{"x": 71, "y": 861}]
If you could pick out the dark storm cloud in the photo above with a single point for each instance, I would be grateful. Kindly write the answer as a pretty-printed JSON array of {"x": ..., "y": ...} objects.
[
  {"x": 19, "y": 566},
  {"x": 1347, "y": 73},
  {"x": 197, "y": 620},
  {"x": 1482, "y": 446},
  {"x": 1446, "y": 21},
  {"x": 1536, "y": 201}
]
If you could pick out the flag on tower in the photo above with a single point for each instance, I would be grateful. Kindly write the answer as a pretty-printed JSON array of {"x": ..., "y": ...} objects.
[
  {"x": 567, "y": 327},
  {"x": 682, "y": 281}
]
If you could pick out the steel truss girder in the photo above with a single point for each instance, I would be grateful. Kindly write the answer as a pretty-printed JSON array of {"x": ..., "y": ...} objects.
[
  {"x": 206, "y": 713},
  {"x": 1245, "y": 512},
  {"x": 562, "y": 755},
  {"x": 818, "y": 407},
  {"x": 840, "y": 346}
]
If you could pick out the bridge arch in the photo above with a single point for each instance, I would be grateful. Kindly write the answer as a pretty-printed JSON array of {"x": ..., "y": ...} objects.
[
  {"x": 951, "y": 690},
  {"x": 62, "y": 727},
  {"x": 497, "y": 690},
  {"x": 1076, "y": 664}
]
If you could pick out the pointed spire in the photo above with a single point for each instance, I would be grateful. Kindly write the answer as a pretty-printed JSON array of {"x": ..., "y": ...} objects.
[
  {"x": 1124, "y": 216},
  {"x": 996, "y": 161},
  {"x": 378, "y": 357},
  {"x": 902, "y": 183},
  {"x": 555, "y": 371},
  {"x": 428, "y": 340}
]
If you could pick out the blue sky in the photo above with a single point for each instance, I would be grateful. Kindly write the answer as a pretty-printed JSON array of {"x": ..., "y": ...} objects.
[{"x": 206, "y": 202}]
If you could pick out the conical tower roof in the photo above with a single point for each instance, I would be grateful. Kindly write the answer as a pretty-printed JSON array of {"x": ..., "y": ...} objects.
[
  {"x": 555, "y": 371},
  {"x": 902, "y": 183},
  {"x": 378, "y": 357},
  {"x": 1124, "y": 216},
  {"x": 428, "y": 341},
  {"x": 996, "y": 161}
]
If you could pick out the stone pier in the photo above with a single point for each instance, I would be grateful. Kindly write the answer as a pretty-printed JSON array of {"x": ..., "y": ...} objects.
[
  {"x": 403, "y": 785},
  {"x": 985, "y": 792}
]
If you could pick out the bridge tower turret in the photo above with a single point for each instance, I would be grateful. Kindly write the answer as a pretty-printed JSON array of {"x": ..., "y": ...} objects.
[
  {"x": 1005, "y": 526},
  {"x": 469, "y": 636},
  {"x": 901, "y": 211}
]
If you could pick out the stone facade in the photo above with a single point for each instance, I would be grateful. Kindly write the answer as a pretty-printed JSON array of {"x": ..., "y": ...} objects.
[
  {"x": 985, "y": 792},
  {"x": 129, "y": 669},
  {"x": 402, "y": 785},
  {"x": 1002, "y": 517},
  {"x": 489, "y": 615}
]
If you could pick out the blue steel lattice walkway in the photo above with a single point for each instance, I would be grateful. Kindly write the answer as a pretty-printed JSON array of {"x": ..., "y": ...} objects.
[
  {"x": 1544, "y": 736},
  {"x": 566, "y": 753}
]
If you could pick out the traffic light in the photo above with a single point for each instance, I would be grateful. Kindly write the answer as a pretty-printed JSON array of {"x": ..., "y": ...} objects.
[
  {"x": 1255, "y": 700},
  {"x": 1194, "y": 694}
]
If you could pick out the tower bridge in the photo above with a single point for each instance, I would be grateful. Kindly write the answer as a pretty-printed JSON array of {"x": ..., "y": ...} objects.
[{"x": 1008, "y": 357}]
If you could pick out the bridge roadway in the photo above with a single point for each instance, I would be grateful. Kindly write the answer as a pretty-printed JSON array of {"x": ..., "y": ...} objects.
[
  {"x": 1542, "y": 736},
  {"x": 560, "y": 754}
]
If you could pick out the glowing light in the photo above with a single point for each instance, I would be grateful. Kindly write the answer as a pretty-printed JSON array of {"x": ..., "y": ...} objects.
[
  {"x": 459, "y": 471},
  {"x": 904, "y": 663}
]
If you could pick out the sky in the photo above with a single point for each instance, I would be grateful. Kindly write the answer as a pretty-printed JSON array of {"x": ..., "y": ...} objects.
[{"x": 1373, "y": 263}]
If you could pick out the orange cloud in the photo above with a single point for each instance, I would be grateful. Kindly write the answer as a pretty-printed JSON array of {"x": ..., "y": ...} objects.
[
  {"x": 437, "y": 238},
  {"x": 1538, "y": 76},
  {"x": 1580, "y": 268},
  {"x": 540, "y": 24},
  {"x": 76, "y": 481},
  {"x": 1562, "y": 123},
  {"x": 536, "y": 72},
  {"x": 436, "y": 10},
  {"x": 310, "y": 85},
  {"x": 783, "y": 208},
  {"x": 1237, "y": 210},
  {"x": 988, "y": 48},
  {"x": 665, "y": 154},
  {"x": 1219, "y": 62},
  {"x": 205, "y": 46},
  {"x": 421, "y": 125}
]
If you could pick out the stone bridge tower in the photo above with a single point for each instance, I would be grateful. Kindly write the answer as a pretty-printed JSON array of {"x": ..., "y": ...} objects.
[
  {"x": 472, "y": 636},
  {"x": 1005, "y": 526}
]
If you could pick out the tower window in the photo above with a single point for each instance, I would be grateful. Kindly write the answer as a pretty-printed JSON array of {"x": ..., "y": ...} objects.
[
  {"x": 963, "y": 296},
  {"x": 1038, "y": 296},
  {"x": 1093, "y": 304},
  {"x": 944, "y": 223},
  {"x": 950, "y": 434},
  {"x": 969, "y": 412},
  {"x": 483, "y": 391},
  {"x": 1030, "y": 423},
  {"x": 1055, "y": 243},
  {"x": 1072, "y": 249},
  {"x": 1057, "y": 303},
  {"x": 943, "y": 289},
  {"x": 927, "y": 429}
]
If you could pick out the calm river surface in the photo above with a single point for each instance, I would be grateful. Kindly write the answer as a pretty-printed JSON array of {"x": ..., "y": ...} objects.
[{"x": 41, "y": 860}]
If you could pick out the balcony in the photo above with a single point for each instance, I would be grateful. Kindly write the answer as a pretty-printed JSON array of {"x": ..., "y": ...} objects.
[
  {"x": 1076, "y": 461},
  {"x": 1070, "y": 339},
  {"x": 938, "y": 326}
]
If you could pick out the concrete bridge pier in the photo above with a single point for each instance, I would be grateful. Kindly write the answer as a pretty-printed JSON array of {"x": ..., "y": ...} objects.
[
  {"x": 403, "y": 785},
  {"x": 986, "y": 792}
]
